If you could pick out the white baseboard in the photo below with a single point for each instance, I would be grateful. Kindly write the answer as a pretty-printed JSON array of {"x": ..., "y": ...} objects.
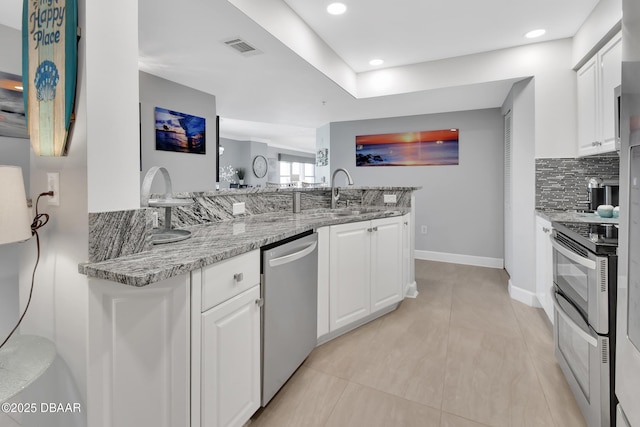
[
  {"x": 526, "y": 297},
  {"x": 411, "y": 290},
  {"x": 460, "y": 259}
]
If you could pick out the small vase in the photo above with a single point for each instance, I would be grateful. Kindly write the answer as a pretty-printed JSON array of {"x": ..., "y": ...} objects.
[{"x": 241, "y": 181}]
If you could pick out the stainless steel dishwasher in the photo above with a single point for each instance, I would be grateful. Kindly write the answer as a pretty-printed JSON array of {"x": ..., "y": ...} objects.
[{"x": 289, "y": 314}]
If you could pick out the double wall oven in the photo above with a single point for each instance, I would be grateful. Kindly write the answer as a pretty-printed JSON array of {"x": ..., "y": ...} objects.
[{"x": 584, "y": 298}]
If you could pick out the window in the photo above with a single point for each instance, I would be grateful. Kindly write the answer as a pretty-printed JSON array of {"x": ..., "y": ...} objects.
[{"x": 293, "y": 172}]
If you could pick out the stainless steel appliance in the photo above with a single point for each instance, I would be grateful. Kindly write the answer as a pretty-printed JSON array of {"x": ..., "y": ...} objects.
[
  {"x": 611, "y": 193},
  {"x": 289, "y": 314},
  {"x": 584, "y": 276},
  {"x": 617, "y": 111},
  {"x": 628, "y": 336},
  {"x": 596, "y": 193}
]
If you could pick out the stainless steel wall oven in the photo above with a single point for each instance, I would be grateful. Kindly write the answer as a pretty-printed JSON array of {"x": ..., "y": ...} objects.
[{"x": 584, "y": 275}]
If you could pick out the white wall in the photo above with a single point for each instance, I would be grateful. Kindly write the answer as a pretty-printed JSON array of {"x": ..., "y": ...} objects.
[
  {"x": 462, "y": 206},
  {"x": 549, "y": 62},
  {"x": 521, "y": 101},
  {"x": 189, "y": 172},
  {"x": 111, "y": 59},
  {"x": 100, "y": 173},
  {"x": 15, "y": 152},
  {"x": 58, "y": 308}
]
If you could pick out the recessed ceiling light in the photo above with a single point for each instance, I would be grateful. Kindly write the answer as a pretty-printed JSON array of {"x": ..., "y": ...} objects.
[
  {"x": 535, "y": 33},
  {"x": 376, "y": 62},
  {"x": 337, "y": 8}
]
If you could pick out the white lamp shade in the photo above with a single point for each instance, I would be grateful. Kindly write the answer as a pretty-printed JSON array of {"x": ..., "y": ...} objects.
[{"x": 15, "y": 223}]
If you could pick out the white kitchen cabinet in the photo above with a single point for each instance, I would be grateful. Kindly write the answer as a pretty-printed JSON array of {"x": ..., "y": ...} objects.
[
  {"x": 587, "y": 79},
  {"x": 365, "y": 269},
  {"x": 596, "y": 81},
  {"x": 349, "y": 273},
  {"x": 610, "y": 78},
  {"x": 138, "y": 354},
  {"x": 231, "y": 361},
  {"x": 544, "y": 266},
  {"x": 387, "y": 286},
  {"x": 225, "y": 348}
]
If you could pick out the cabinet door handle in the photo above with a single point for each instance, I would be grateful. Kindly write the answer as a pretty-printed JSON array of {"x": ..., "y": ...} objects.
[
  {"x": 238, "y": 277},
  {"x": 260, "y": 302},
  {"x": 545, "y": 229},
  {"x": 369, "y": 230},
  {"x": 375, "y": 228},
  {"x": 406, "y": 223}
]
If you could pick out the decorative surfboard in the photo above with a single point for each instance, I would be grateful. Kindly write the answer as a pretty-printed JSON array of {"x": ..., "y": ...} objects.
[{"x": 49, "y": 70}]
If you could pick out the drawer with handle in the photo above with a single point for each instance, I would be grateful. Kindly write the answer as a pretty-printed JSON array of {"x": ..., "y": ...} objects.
[{"x": 228, "y": 278}]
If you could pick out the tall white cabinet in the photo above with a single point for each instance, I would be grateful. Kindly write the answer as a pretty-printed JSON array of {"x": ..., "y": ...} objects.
[{"x": 596, "y": 82}]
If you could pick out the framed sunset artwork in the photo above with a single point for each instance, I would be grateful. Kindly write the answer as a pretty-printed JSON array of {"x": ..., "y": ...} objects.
[
  {"x": 424, "y": 148},
  {"x": 180, "y": 132}
]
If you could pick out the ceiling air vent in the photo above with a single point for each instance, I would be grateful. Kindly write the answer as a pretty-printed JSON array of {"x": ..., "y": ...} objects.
[{"x": 241, "y": 46}]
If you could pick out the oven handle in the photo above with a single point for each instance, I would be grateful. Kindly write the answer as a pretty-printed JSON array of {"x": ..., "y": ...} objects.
[
  {"x": 585, "y": 336},
  {"x": 585, "y": 262}
]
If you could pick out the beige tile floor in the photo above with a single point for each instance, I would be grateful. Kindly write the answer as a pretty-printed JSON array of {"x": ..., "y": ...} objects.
[{"x": 462, "y": 354}]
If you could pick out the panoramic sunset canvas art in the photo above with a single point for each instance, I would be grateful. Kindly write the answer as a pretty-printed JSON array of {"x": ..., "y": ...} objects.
[{"x": 424, "y": 148}]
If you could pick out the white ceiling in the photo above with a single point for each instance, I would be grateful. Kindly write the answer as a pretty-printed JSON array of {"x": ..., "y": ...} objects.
[
  {"x": 412, "y": 31},
  {"x": 279, "y": 97}
]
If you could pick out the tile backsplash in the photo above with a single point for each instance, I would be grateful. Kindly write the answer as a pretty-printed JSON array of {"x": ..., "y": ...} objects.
[{"x": 562, "y": 183}]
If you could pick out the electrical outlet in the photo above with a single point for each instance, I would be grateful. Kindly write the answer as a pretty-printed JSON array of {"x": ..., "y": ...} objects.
[
  {"x": 238, "y": 208},
  {"x": 53, "y": 184},
  {"x": 390, "y": 198},
  {"x": 423, "y": 229}
]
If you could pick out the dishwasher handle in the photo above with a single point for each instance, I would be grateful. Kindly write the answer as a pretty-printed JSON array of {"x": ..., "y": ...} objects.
[{"x": 294, "y": 256}]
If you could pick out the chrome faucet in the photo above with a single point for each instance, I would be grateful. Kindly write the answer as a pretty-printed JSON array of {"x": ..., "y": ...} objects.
[{"x": 335, "y": 191}]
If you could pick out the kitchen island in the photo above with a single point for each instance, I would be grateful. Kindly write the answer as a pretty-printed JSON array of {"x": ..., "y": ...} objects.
[{"x": 177, "y": 326}]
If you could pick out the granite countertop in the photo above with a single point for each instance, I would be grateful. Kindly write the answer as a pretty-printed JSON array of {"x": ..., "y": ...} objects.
[
  {"x": 214, "y": 242},
  {"x": 257, "y": 190},
  {"x": 572, "y": 216}
]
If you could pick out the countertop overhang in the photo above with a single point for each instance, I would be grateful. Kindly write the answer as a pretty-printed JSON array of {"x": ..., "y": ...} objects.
[
  {"x": 571, "y": 216},
  {"x": 217, "y": 241}
]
